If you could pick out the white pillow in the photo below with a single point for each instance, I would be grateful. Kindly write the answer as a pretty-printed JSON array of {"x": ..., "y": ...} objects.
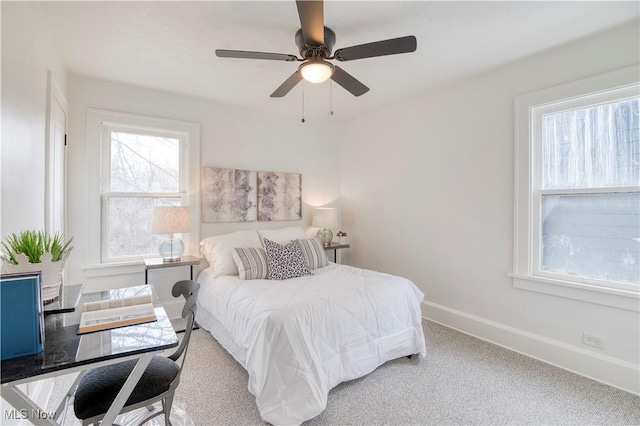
[
  {"x": 311, "y": 232},
  {"x": 283, "y": 235},
  {"x": 218, "y": 250}
]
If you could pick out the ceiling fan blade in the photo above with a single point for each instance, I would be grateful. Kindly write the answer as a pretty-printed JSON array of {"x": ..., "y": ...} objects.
[
  {"x": 255, "y": 55},
  {"x": 349, "y": 82},
  {"x": 311, "y": 13},
  {"x": 378, "y": 48},
  {"x": 288, "y": 84}
]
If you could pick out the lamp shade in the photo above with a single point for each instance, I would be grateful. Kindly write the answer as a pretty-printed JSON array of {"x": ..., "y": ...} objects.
[
  {"x": 170, "y": 220},
  {"x": 325, "y": 217}
]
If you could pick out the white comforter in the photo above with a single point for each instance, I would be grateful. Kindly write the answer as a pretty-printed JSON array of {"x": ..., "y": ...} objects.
[{"x": 299, "y": 338}]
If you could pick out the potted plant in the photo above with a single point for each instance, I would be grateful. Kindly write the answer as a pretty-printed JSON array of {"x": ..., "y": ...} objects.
[{"x": 31, "y": 251}]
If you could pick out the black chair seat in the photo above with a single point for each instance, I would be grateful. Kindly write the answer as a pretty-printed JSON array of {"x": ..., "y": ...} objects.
[{"x": 100, "y": 386}]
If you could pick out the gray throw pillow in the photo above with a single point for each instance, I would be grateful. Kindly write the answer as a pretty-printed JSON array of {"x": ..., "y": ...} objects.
[
  {"x": 314, "y": 253},
  {"x": 251, "y": 263}
]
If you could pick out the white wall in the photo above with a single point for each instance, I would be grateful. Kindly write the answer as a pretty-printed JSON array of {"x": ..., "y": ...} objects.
[
  {"x": 428, "y": 193},
  {"x": 230, "y": 137},
  {"x": 28, "y": 52}
]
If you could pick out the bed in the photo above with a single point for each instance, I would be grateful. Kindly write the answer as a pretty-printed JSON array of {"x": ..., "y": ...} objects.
[{"x": 299, "y": 337}]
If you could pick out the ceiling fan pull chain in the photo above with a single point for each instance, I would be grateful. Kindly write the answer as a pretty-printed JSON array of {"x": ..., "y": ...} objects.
[
  {"x": 330, "y": 97},
  {"x": 303, "y": 101}
]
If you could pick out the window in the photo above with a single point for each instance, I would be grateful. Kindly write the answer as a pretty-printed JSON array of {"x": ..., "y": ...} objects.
[
  {"x": 578, "y": 186},
  {"x": 145, "y": 162},
  {"x": 145, "y": 168}
]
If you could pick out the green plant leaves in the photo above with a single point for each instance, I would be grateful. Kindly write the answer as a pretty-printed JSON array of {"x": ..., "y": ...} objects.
[{"x": 34, "y": 244}]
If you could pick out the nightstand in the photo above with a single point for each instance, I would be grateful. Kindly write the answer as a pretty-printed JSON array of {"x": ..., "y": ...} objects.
[
  {"x": 335, "y": 247},
  {"x": 159, "y": 263}
]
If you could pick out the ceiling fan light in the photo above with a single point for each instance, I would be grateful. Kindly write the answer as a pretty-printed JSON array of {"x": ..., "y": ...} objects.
[{"x": 316, "y": 71}]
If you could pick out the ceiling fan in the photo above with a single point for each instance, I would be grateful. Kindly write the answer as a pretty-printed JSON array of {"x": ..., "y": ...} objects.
[{"x": 315, "y": 42}]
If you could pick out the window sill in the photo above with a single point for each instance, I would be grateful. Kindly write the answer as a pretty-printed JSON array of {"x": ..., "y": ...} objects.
[
  {"x": 106, "y": 270},
  {"x": 622, "y": 299}
]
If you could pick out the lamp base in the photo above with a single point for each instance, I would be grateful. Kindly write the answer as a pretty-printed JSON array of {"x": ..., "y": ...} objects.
[
  {"x": 171, "y": 249},
  {"x": 325, "y": 236}
]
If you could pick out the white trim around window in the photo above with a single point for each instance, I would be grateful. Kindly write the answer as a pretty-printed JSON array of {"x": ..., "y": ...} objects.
[
  {"x": 529, "y": 108},
  {"x": 98, "y": 124}
]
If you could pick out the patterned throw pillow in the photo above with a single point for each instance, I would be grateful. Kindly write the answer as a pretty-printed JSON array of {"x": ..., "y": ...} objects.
[
  {"x": 251, "y": 263},
  {"x": 285, "y": 261},
  {"x": 314, "y": 253}
]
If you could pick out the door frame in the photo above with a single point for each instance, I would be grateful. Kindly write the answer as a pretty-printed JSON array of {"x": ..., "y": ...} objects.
[{"x": 54, "y": 95}]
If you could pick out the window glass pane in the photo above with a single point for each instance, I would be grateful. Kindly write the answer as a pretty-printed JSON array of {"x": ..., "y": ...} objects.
[
  {"x": 144, "y": 163},
  {"x": 129, "y": 225},
  {"x": 592, "y": 235},
  {"x": 592, "y": 147}
]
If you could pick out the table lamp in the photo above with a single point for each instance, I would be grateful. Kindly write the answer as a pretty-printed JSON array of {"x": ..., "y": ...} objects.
[
  {"x": 325, "y": 218},
  {"x": 171, "y": 220}
]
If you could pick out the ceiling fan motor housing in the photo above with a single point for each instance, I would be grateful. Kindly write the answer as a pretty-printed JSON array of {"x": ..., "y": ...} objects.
[{"x": 308, "y": 51}]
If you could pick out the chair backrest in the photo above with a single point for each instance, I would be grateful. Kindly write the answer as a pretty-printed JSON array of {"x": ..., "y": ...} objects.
[{"x": 189, "y": 290}]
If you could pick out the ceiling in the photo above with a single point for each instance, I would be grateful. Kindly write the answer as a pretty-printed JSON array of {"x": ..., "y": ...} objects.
[{"x": 170, "y": 45}]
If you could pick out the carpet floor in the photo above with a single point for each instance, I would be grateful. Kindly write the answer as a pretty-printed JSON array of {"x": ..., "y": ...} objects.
[{"x": 462, "y": 381}]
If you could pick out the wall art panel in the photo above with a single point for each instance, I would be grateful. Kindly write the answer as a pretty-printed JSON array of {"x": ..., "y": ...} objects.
[
  {"x": 279, "y": 196},
  {"x": 229, "y": 195}
]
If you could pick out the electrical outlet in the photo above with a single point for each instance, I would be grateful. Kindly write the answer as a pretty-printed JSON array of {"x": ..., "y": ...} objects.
[{"x": 593, "y": 340}]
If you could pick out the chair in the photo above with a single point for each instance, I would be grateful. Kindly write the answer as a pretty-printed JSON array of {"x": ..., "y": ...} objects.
[{"x": 98, "y": 387}]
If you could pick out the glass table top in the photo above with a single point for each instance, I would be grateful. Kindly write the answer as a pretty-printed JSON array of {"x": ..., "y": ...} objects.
[{"x": 64, "y": 348}]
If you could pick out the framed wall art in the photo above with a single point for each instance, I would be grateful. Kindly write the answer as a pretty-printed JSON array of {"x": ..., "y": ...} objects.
[
  {"x": 229, "y": 195},
  {"x": 279, "y": 196}
]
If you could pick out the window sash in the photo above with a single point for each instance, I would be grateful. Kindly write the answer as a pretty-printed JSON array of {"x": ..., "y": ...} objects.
[
  {"x": 104, "y": 240},
  {"x": 108, "y": 128},
  {"x": 107, "y": 194},
  {"x": 583, "y": 146},
  {"x": 536, "y": 239},
  {"x": 538, "y": 113}
]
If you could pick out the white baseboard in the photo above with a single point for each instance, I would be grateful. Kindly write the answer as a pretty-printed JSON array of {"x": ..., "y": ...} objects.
[
  {"x": 173, "y": 308},
  {"x": 603, "y": 368}
]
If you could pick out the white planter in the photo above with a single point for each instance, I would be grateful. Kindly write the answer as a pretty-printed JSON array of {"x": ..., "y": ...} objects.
[{"x": 51, "y": 272}]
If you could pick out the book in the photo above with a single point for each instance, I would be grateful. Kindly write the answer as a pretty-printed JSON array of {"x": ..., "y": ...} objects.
[
  {"x": 22, "y": 319},
  {"x": 113, "y": 313}
]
